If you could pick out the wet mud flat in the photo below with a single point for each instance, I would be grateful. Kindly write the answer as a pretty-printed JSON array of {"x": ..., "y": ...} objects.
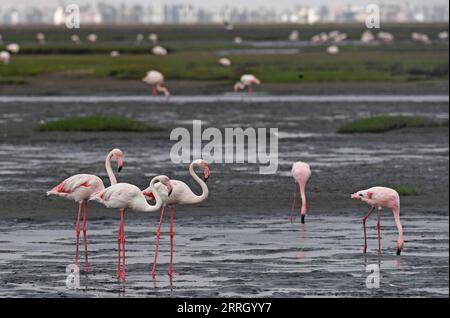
[
  {"x": 239, "y": 242},
  {"x": 248, "y": 255}
]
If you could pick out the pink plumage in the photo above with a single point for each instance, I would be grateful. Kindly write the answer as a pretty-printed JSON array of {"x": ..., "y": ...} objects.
[
  {"x": 379, "y": 198},
  {"x": 301, "y": 172}
]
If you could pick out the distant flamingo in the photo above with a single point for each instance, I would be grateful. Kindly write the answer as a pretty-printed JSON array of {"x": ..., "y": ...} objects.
[
  {"x": 127, "y": 196},
  {"x": 381, "y": 197},
  {"x": 181, "y": 194},
  {"x": 156, "y": 79},
  {"x": 301, "y": 173},
  {"x": 5, "y": 57},
  {"x": 247, "y": 80},
  {"x": 80, "y": 187}
]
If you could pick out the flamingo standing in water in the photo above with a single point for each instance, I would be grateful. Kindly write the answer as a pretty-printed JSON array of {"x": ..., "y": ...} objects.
[
  {"x": 181, "y": 195},
  {"x": 127, "y": 196},
  {"x": 156, "y": 79},
  {"x": 247, "y": 80},
  {"x": 301, "y": 173},
  {"x": 80, "y": 188},
  {"x": 381, "y": 197}
]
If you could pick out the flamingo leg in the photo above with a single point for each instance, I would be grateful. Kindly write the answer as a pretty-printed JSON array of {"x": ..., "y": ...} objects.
[
  {"x": 119, "y": 236},
  {"x": 379, "y": 231},
  {"x": 293, "y": 203},
  {"x": 86, "y": 264},
  {"x": 364, "y": 225},
  {"x": 172, "y": 209},
  {"x": 154, "y": 92},
  {"x": 77, "y": 230},
  {"x": 158, "y": 232},
  {"x": 122, "y": 222},
  {"x": 250, "y": 90}
]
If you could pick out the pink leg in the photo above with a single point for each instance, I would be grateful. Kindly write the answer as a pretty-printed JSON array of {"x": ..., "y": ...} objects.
[
  {"x": 154, "y": 92},
  {"x": 119, "y": 238},
  {"x": 77, "y": 230},
  {"x": 122, "y": 216},
  {"x": 364, "y": 224},
  {"x": 158, "y": 232},
  {"x": 171, "y": 242},
  {"x": 86, "y": 264},
  {"x": 293, "y": 203},
  {"x": 250, "y": 90},
  {"x": 379, "y": 229}
]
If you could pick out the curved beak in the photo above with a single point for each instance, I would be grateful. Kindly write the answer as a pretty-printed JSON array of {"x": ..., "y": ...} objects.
[
  {"x": 149, "y": 195},
  {"x": 399, "y": 251},
  {"x": 119, "y": 163},
  {"x": 206, "y": 174}
]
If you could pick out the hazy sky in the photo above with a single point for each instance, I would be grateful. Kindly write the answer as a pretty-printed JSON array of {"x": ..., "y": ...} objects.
[{"x": 219, "y": 3}]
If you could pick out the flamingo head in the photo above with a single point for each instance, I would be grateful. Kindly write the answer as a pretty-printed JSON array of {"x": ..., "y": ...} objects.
[
  {"x": 117, "y": 153},
  {"x": 400, "y": 243},
  {"x": 166, "y": 181},
  {"x": 256, "y": 81},
  {"x": 204, "y": 166},
  {"x": 363, "y": 194}
]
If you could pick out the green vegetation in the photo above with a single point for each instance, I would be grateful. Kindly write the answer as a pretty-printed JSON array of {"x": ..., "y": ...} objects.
[
  {"x": 97, "y": 123},
  {"x": 405, "y": 190},
  {"x": 381, "y": 124},
  {"x": 10, "y": 81}
]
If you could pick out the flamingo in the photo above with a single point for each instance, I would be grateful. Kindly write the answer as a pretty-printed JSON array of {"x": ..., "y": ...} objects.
[
  {"x": 159, "y": 50},
  {"x": 156, "y": 79},
  {"x": 80, "y": 188},
  {"x": 5, "y": 57},
  {"x": 301, "y": 173},
  {"x": 181, "y": 195},
  {"x": 333, "y": 49},
  {"x": 381, "y": 197},
  {"x": 13, "y": 48},
  {"x": 127, "y": 196},
  {"x": 40, "y": 37},
  {"x": 92, "y": 37},
  {"x": 247, "y": 80}
]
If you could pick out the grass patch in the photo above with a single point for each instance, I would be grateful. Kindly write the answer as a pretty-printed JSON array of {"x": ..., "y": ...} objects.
[
  {"x": 381, "y": 124},
  {"x": 12, "y": 81},
  {"x": 97, "y": 123},
  {"x": 405, "y": 190}
]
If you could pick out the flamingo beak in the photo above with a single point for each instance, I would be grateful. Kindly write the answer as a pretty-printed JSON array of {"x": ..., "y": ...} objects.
[
  {"x": 398, "y": 251},
  {"x": 149, "y": 195},
  {"x": 119, "y": 164},
  {"x": 206, "y": 173}
]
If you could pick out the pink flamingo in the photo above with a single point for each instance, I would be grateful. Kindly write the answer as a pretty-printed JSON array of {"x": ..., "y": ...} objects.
[
  {"x": 381, "y": 197},
  {"x": 127, "y": 196},
  {"x": 247, "y": 80},
  {"x": 156, "y": 79},
  {"x": 80, "y": 187},
  {"x": 181, "y": 195},
  {"x": 301, "y": 173}
]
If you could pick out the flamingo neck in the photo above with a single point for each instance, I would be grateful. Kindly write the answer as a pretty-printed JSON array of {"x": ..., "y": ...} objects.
[
  {"x": 161, "y": 88},
  {"x": 112, "y": 177},
  {"x": 396, "y": 211},
  {"x": 158, "y": 204},
  {"x": 303, "y": 195},
  {"x": 205, "y": 192}
]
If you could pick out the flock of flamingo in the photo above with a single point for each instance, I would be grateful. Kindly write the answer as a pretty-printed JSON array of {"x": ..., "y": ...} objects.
[{"x": 166, "y": 192}]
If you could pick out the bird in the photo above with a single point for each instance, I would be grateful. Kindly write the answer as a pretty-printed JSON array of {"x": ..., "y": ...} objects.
[
  {"x": 80, "y": 188},
  {"x": 5, "y": 57},
  {"x": 153, "y": 37},
  {"x": 127, "y": 196},
  {"x": 159, "y": 50},
  {"x": 247, "y": 80},
  {"x": 40, "y": 37},
  {"x": 75, "y": 38},
  {"x": 301, "y": 172},
  {"x": 379, "y": 198},
  {"x": 13, "y": 48},
  {"x": 156, "y": 79},
  {"x": 181, "y": 195},
  {"x": 92, "y": 37},
  {"x": 224, "y": 61},
  {"x": 333, "y": 49},
  {"x": 114, "y": 53}
]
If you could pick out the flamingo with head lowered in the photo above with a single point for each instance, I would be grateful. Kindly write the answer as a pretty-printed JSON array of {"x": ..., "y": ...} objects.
[
  {"x": 181, "y": 195},
  {"x": 156, "y": 79},
  {"x": 127, "y": 196},
  {"x": 246, "y": 80},
  {"x": 80, "y": 188},
  {"x": 379, "y": 198},
  {"x": 301, "y": 173}
]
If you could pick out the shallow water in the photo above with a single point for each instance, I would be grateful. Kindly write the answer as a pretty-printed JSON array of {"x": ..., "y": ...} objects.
[{"x": 252, "y": 255}]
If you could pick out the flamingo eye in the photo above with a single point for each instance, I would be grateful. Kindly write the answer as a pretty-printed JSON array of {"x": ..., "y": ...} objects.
[{"x": 361, "y": 195}]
